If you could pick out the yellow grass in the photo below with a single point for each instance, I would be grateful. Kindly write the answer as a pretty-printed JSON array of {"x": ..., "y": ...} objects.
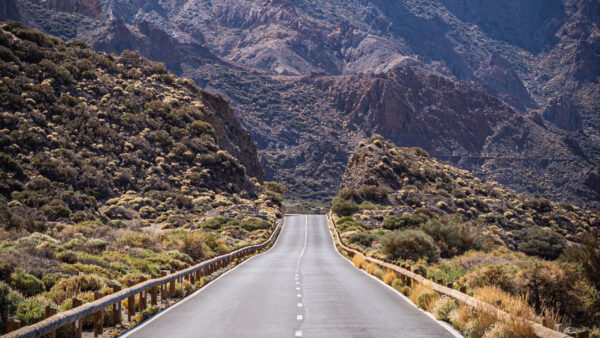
[
  {"x": 388, "y": 277},
  {"x": 358, "y": 260},
  {"x": 421, "y": 290},
  {"x": 516, "y": 306},
  {"x": 371, "y": 268}
]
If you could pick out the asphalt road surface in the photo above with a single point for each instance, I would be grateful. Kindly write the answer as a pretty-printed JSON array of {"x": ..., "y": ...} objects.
[{"x": 301, "y": 287}]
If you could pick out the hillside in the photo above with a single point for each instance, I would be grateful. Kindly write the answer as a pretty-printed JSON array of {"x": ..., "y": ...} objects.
[
  {"x": 401, "y": 204},
  {"x": 114, "y": 168},
  {"x": 270, "y": 59}
]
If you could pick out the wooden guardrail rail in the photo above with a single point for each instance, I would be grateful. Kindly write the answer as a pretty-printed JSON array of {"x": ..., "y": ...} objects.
[
  {"x": 411, "y": 277},
  {"x": 75, "y": 316}
]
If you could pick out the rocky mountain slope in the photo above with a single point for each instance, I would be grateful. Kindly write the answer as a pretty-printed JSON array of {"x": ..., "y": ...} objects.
[
  {"x": 111, "y": 170},
  {"x": 400, "y": 204},
  {"x": 509, "y": 51}
]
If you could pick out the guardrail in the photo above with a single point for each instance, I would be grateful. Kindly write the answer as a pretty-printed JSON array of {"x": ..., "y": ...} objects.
[
  {"x": 74, "y": 317},
  {"x": 411, "y": 277}
]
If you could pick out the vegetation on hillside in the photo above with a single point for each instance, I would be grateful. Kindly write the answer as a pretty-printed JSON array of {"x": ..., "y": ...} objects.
[
  {"x": 399, "y": 204},
  {"x": 111, "y": 170}
]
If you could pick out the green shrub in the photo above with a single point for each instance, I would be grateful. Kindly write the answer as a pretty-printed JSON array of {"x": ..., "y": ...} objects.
[
  {"x": 373, "y": 193},
  {"x": 51, "y": 279},
  {"x": 363, "y": 238},
  {"x": 443, "y": 307},
  {"x": 219, "y": 222},
  {"x": 538, "y": 204},
  {"x": 71, "y": 287},
  {"x": 586, "y": 254},
  {"x": 394, "y": 222},
  {"x": 409, "y": 244},
  {"x": 9, "y": 301},
  {"x": 251, "y": 224},
  {"x": 33, "y": 310},
  {"x": 452, "y": 236},
  {"x": 27, "y": 284},
  {"x": 366, "y": 205},
  {"x": 540, "y": 242},
  {"x": 344, "y": 208},
  {"x": 425, "y": 299}
]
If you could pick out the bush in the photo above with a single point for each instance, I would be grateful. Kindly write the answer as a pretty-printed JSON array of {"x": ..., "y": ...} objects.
[
  {"x": 558, "y": 286},
  {"x": 538, "y": 204},
  {"x": 453, "y": 237},
  {"x": 344, "y": 208},
  {"x": 33, "y": 310},
  {"x": 9, "y": 301},
  {"x": 71, "y": 287},
  {"x": 373, "y": 193},
  {"x": 51, "y": 279},
  {"x": 586, "y": 254},
  {"x": 27, "y": 284},
  {"x": 252, "y": 223},
  {"x": 363, "y": 238},
  {"x": 409, "y": 244},
  {"x": 443, "y": 307},
  {"x": 219, "y": 222},
  {"x": 193, "y": 245},
  {"x": 540, "y": 242},
  {"x": 394, "y": 222}
]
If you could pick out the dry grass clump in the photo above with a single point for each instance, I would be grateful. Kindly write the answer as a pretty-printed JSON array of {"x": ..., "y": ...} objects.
[
  {"x": 517, "y": 306},
  {"x": 388, "y": 277},
  {"x": 358, "y": 260},
  {"x": 371, "y": 268},
  {"x": 443, "y": 307},
  {"x": 423, "y": 296}
]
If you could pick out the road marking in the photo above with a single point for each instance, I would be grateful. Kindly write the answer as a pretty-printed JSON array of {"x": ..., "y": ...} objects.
[
  {"x": 298, "y": 288},
  {"x": 297, "y": 283},
  {"x": 299, "y": 304},
  {"x": 299, "y": 295},
  {"x": 444, "y": 325},
  {"x": 202, "y": 289},
  {"x": 298, "y": 333},
  {"x": 299, "y": 317}
]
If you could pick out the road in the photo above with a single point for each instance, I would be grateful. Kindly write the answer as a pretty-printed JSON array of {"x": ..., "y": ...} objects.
[{"x": 301, "y": 287}]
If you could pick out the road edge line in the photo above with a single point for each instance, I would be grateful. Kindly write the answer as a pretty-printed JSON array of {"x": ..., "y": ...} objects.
[
  {"x": 443, "y": 324},
  {"x": 156, "y": 316}
]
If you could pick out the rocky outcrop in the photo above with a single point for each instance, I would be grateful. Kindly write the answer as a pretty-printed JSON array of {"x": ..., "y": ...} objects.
[
  {"x": 562, "y": 112},
  {"x": 500, "y": 79},
  {"x": 9, "y": 10},
  {"x": 442, "y": 116},
  {"x": 91, "y": 8}
]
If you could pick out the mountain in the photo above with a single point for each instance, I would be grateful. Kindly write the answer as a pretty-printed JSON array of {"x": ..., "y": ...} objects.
[
  {"x": 111, "y": 170},
  {"x": 400, "y": 204},
  {"x": 275, "y": 61},
  {"x": 81, "y": 131}
]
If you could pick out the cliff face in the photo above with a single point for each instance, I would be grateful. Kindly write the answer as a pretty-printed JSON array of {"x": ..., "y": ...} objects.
[
  {"x": 273, "y": 59},
  {"x": 9, "y": 10},
  {"x": 91, "y": 8}
]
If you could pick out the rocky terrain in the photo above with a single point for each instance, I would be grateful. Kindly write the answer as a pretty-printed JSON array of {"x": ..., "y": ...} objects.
[
  {"x": 274, "y": 61},
  {"x": 112, "y": 169},
  {"x": 400, "y": 204}
]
